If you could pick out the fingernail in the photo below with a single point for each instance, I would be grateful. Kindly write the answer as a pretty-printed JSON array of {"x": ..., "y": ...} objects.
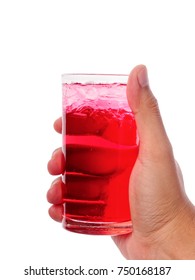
[{"x": 143, "y": 77}]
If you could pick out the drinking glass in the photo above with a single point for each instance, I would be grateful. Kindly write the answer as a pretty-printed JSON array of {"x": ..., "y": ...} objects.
[{"x": 100, "y": 146}]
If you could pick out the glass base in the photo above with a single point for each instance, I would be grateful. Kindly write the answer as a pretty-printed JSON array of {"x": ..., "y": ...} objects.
[{"x": 97, "y": 228}]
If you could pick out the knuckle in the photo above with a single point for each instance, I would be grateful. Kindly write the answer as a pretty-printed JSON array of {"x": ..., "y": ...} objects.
[{"x": 152, "y": 103}]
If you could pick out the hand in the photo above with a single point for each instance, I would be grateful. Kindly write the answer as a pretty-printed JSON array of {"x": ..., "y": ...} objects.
[{"x": 163, "y": 217}]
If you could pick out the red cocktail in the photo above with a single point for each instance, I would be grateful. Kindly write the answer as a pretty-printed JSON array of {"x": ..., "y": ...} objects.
[{"x": 100, "y": 146}]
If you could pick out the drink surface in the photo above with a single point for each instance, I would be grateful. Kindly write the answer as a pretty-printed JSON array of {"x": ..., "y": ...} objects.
[{"x": 100, "y": 147}]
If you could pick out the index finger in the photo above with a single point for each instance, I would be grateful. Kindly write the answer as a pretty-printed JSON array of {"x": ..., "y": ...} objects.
[{"x": 58, "y": 125}]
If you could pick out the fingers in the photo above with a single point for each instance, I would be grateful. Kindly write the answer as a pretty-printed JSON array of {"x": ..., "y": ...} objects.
[
  {"x": 56, "y": 165},
  {"x": 56, "y": 212},
  {"x": 56, "y": 192},
  {"x": 58, "y": 125},
  {"x": 55, "y": 196},
  {"x": 153, "y": 138}
]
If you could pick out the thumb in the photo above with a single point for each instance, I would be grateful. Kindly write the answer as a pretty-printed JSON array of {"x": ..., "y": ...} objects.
[{"x": 151, "y": 131}]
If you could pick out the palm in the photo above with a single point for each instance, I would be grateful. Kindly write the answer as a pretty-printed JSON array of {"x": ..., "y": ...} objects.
[{"x": 151, "y": 202}]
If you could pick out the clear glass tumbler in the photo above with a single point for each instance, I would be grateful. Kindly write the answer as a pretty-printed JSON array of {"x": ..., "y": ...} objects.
[{"x": 100, "y": 146}]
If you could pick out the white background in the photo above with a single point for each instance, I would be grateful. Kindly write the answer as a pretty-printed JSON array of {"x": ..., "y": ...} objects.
[{"x": 40, "y": 40}]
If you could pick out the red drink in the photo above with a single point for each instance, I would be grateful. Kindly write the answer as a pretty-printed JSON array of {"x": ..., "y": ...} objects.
[{"x": 100, "y": 147}]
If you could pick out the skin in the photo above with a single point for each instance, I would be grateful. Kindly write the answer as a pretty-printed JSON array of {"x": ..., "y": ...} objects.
[{"x": 162, "y": 215}]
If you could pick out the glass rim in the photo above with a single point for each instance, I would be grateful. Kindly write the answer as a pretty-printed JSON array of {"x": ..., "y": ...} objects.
[{"x": 94, "y": 78}]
